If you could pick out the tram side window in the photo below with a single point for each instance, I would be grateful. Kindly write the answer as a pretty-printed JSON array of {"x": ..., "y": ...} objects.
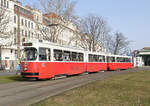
[
  {"x": 44, "y": 54},
  {"x": 74, "y": 56},
  {"x": 120, "y": 59},
  {"x": 108, "y": 59},
  {"x": 90, "y": 57},
  {"x": 67, "y": 56},
  {"x": 127, "y": 60},
  {"x": 58, "y": 55},
  {"x": 130, "y": 60},
  {"x": 101, "y": 58},
  {"x": 95, "y": 58},
  {"x": 112, "y": 59},
  {"x": 81, "y": 57}
]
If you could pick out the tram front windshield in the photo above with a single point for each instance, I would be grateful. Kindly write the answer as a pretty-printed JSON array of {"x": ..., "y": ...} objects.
[{"x": 30, "y": 54}]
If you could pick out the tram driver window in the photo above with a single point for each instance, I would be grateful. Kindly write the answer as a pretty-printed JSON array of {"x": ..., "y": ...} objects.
[{"x": 44, "y": 54}]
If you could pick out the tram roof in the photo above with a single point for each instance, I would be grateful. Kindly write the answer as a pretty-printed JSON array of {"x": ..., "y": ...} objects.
[
  {"x": 112, "y": 55},
  {"x": 64, "y": 47}
]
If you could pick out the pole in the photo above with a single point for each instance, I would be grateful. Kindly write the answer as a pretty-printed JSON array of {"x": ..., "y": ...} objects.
[
  {"x": 18, "y": 35},
  {"x": 0, "y": 57}
]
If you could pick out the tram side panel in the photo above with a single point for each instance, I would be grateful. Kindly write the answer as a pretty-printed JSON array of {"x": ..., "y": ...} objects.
[
  {"x": 95, "y": 67},
  {"x": 96, "y": 62},
  {"x": 45, "y": 70},
  {"x": 116, "y": 66},
  {"x": 76, "y": 68},
  {"x": 115, "y": 63},
  {"x": 67, "y": 68}
]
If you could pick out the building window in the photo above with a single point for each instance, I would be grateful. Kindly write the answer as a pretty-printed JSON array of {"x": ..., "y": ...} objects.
[
  {"x": 15, "y": 30},
  {"x": 37, "y": 18},
  {"x": 7, "y": 4},
  {"x": 23, "y": 39},
  {"x": 22, "y": 32},
  {"x": 4, "y": 3},
  {"x": 15, "y": 19},
  {"x": 29, "y": 24},
  {"x": 26, "y": 23},
  {"x": 32, "y": 25},
  {"x": 15, "y": 41},
  {"x": 38, "y": 35},
  {"x": 22, "y": 10},
  {"x": 26, "y": 33},
  {"x": 22, "y": 23},
  {"x": 29, "y": 34},
  {"x": 32, "y": 34}
]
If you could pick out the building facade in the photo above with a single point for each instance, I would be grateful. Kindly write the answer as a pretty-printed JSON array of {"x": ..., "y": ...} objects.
[
  {"x": 33, "y": 25},
  {"x": 142, "y": 57}
]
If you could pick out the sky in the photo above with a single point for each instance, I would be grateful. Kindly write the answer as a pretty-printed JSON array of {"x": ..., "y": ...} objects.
[{"x": 131, "y": 17}]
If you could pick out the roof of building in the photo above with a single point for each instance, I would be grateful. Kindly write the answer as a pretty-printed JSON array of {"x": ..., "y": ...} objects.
[
  {"x": 52, "y": 15},
  {"x": 146, "y": 48}
]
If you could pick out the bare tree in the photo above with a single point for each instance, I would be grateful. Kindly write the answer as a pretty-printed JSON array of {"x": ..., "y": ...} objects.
[
  {"x": 95, "y": 30},
  {"x": 52, "y": 27},
  {"x": 5, "y": 32},
  {"x": 119, "y": 44},
  {"x": 4, "y": 24},
  {"x": 63, "y": 8},
  {"x": 58, "y": 14}
]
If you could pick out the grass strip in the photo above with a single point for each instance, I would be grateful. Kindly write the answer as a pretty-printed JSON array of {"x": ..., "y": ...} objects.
[
  {"x": 10, "y": 78},
  {"x": 131, "y": 89}
]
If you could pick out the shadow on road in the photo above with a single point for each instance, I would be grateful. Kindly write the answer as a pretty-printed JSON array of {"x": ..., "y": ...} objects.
[{"x": 16, "y": 78}]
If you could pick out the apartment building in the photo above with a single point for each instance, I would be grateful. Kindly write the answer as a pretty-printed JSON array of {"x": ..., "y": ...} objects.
[{"x": 34, "y": 25}]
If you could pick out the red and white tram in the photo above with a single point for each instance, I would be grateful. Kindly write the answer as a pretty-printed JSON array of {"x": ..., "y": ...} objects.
[
  {"x": 42, "y": 61},
  {"x": 117, "y": 62}
]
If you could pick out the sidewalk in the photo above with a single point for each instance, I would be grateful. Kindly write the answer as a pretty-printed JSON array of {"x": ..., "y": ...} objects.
[{"x": 7, "y": 72}]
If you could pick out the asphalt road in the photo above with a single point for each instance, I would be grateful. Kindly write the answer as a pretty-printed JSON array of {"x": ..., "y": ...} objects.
[
  {"x": 3, "y": 73},
  {"x": 22, "y": 93}
]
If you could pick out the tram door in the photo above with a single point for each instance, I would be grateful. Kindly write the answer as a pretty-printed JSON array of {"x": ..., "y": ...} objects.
[{"x": 45, "y": 58}]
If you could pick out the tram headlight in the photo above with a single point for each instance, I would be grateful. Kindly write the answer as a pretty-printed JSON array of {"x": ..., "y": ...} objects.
[{"x": 25, "y": 69}]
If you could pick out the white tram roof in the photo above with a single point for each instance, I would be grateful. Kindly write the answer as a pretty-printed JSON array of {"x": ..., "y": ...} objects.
[
  {"x": 63, "y": 47},
  {"x": 38, "y": 44},
  {"x": 111, "y": 55}
]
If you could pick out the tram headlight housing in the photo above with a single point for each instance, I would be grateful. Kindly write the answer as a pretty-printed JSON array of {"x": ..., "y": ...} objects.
[{"x": 25, "y": 69}]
